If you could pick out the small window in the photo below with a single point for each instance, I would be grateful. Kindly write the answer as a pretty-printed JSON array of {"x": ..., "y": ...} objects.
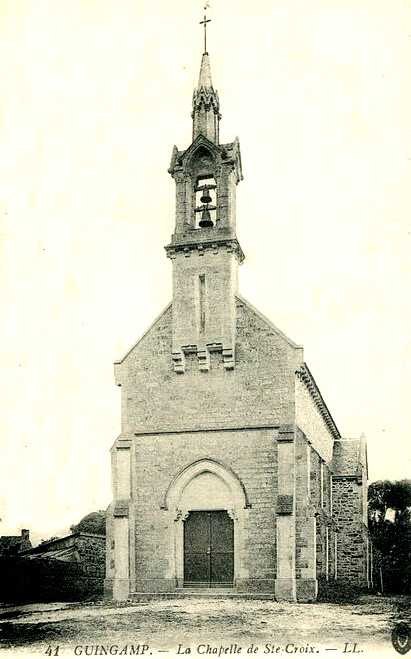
[
  {"x": 331, "y": 494},
  {"x": 202, "y": 310},
  {"x": 335, "y": 556},
  {"x": 327, "y": 553},
  {"x": 309, "y": 469},
  {"x": 322, "y": 483}
]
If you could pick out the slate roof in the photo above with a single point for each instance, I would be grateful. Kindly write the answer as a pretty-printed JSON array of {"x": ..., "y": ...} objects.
[
  {"x": 64, "y": 548},
  {"x": 68, "y": 554}
]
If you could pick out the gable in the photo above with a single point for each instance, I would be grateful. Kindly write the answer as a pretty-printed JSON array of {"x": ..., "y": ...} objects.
[
  {"x": 259, "y": 391},
  {"x": 229, "y": 152},
  {"x": 180, "y": 158},
  {"x": 201, "y": 142}
]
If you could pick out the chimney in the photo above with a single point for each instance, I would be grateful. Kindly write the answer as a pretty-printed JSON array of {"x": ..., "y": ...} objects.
[{"x": 25, "y": 533}]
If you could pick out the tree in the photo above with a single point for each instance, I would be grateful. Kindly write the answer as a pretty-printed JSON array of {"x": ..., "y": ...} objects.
[
  {"x": 389, "y": 520},
  {"x": 92, "y": 523}
]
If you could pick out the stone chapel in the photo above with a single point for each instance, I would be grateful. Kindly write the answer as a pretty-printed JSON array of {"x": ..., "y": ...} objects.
[{"x": 229, "y": 472}]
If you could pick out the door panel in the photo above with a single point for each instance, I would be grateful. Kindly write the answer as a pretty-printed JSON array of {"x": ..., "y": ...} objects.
[
  {"x": 222, "y": 569},
  {"x": 222, "y": 548},
  {"x": 208, "y": 549},
  {"x": 197, "y": 548}
]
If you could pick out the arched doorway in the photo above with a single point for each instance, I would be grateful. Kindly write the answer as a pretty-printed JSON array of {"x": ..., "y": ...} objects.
[{"x": 208, "y": 505}]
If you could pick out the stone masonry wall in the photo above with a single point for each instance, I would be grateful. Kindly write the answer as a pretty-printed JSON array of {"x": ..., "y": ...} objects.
[
  {"x": 316, "y": 449},
  {"x": 313, "y": 505},
  {"x": 92, "y": 552},
  {"x": 185, "y": 414},
  {"x": 304, "y": 536},
  {"x": 351, "y": 539},
  {"x": 252, "y": 455}
]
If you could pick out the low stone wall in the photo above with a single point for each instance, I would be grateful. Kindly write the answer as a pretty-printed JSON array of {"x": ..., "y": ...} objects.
[{"x": 46, "y": 580}]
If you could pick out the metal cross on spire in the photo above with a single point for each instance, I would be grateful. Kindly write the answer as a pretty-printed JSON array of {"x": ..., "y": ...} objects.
[{"x": 204, "y": 22}]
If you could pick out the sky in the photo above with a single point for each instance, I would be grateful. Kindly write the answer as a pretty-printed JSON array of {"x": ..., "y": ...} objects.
[{"x": 95, "y": 93}]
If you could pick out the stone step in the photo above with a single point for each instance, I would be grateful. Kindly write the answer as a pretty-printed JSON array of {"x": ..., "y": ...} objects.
[{"x": 201, "y": 593}]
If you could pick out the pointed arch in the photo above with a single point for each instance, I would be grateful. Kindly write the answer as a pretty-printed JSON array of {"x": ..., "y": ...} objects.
[
  {"x": 202, "y": 161},
  {"x": 201, "y": 141},
  {"x": 202, "y": 466}
]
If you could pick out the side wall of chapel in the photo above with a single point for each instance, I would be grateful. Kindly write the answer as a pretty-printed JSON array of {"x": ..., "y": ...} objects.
[
  {"x": 315, "y": 528},
  {"x": 350, "y": 509}
]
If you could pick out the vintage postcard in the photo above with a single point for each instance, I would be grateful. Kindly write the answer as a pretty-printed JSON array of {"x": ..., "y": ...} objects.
[{"x": 210, "y": 196}]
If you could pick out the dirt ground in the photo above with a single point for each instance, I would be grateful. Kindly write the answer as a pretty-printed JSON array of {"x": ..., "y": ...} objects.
[{"x": 203, "y": 627}]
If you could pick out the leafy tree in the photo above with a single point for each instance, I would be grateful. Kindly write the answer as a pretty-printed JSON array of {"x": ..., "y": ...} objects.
[
  {"x": 389, "y": 518},
  {"x": 92, "y": 523}
]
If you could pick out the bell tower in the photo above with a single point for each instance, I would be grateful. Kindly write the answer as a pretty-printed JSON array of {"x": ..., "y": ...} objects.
[{"x": 204, "y": 248}]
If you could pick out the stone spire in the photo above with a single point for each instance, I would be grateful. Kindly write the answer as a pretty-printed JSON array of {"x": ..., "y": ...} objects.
[
  {"x": 206, "y": 106},
  {"x": 204, "y": 79}
]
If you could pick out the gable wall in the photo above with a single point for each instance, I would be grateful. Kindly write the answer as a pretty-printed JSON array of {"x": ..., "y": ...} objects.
[{"x": 260, "y": 390}]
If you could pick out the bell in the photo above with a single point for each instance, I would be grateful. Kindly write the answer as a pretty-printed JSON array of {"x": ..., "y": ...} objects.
[
  {"x": 206, "y": 220},
  {"x": 206, "y": 199}
]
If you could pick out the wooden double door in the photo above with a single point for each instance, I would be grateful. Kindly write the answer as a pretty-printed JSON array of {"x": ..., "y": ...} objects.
[{"x": 208, "y": 549}]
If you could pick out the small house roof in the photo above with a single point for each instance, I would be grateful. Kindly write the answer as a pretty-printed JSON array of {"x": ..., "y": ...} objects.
[{"x": 8, "y": 541}]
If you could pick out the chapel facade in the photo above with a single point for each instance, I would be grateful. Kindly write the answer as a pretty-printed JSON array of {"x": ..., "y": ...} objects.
[{"x": 229, "y": 472}]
